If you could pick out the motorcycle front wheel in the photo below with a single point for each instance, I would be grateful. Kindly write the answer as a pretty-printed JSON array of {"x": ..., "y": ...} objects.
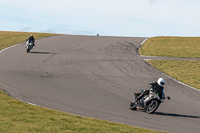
[
  {"x": 133, "y": 106},
  {"x": 27, "y": 50},
  {"x": 152, "y": 106}
]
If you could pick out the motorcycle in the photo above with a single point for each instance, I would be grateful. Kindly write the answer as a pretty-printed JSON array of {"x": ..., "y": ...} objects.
[
  {"x": 149, "y": 102},
  {"x": 28, "y": 45}
]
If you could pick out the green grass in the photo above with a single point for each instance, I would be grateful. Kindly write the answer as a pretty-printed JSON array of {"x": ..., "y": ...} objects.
[
  {"x": 185, "y": 71},
  {"x": 8, "y": 38},
  {"x": 172, "y": 47},
  {"x": 19, "y": 117}
]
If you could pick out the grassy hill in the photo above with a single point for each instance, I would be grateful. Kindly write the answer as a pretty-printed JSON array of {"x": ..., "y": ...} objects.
[
  {"x": 172, "y": 47},
  {"x": 185, "y": 71},
  {"x": 8, "y": 38}
]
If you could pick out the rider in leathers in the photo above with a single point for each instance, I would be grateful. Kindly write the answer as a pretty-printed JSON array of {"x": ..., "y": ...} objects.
[
  {"x": 31, "y": 39},
  {"x": 157, "y": 87}
]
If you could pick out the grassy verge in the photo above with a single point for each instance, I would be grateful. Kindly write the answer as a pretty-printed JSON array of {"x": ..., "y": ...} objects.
[
  {"x": 8, "y": 38},
  {"x": 185, "y": 71},
  {"x": 19, "y": 117},
  {"x": 172, "y": 47}
]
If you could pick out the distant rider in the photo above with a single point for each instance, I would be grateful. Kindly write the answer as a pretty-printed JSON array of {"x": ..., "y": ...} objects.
[
  {"x": 31, "y": 39},
  {"x": 157, "y": 87}
]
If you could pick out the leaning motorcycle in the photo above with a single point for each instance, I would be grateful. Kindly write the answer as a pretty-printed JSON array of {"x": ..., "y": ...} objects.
[
  {"x": 149, "y": 102},
  {"x": 28, "y": 46}
]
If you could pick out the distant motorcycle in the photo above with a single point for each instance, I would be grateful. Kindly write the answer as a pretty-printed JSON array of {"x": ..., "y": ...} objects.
[
  {"x": 28, "y": 45},
  {"x": 149, "y": 102}
]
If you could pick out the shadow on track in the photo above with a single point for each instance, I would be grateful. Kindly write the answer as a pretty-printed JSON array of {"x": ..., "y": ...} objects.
[
  {"x": 43, "y": 53},
  {"x": 176, "y": 115}
]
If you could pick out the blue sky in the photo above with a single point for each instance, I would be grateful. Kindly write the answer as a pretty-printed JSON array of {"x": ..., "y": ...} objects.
[{"x": 136, "y": 18}]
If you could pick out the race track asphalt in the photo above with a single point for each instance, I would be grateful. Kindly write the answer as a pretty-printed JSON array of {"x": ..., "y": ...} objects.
[{"x": 96, "y": 77}]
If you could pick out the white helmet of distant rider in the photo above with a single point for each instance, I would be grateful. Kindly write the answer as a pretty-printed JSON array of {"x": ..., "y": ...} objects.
[{"x": 161, "y": 82}]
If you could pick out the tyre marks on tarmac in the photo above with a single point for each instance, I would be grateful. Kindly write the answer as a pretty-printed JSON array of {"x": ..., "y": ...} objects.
[{"x": 95, "y": 77}]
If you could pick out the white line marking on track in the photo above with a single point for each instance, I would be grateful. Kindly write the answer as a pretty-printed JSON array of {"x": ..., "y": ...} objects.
[
  {"x": 8, "y": 92},
  {"x": 8, "y": 48}
]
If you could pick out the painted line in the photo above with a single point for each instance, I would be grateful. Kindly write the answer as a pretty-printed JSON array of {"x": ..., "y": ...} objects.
[
  {"x": 9, "y": 47},
  {"x": 6, "y": 90},
  {"x": 24, "y": 101},
  {"x": 144, "y": 41}
]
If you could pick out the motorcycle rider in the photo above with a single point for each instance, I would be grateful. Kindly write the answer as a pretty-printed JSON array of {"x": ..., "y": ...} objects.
[
  {"x": 157, "y": 87},
  {"x": 31, "y": 39}
]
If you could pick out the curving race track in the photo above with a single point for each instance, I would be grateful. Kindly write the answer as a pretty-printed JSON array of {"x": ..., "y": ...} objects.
[{"x": 95, "y": 77}]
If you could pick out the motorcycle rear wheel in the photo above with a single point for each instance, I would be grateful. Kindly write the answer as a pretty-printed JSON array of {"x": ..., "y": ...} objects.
[{"x": 152, "y": 106}]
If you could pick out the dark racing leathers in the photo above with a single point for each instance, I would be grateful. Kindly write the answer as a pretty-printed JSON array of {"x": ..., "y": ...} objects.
[
  {"x": 31, "y": 39},
  {"x": 159, "y": 90}
]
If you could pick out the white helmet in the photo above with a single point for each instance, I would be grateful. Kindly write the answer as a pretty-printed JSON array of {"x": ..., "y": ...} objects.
[{"x": 161, "y": 82}]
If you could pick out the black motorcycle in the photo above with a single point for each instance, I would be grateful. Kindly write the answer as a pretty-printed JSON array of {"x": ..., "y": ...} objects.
[{"x": 149, "y": 102}]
